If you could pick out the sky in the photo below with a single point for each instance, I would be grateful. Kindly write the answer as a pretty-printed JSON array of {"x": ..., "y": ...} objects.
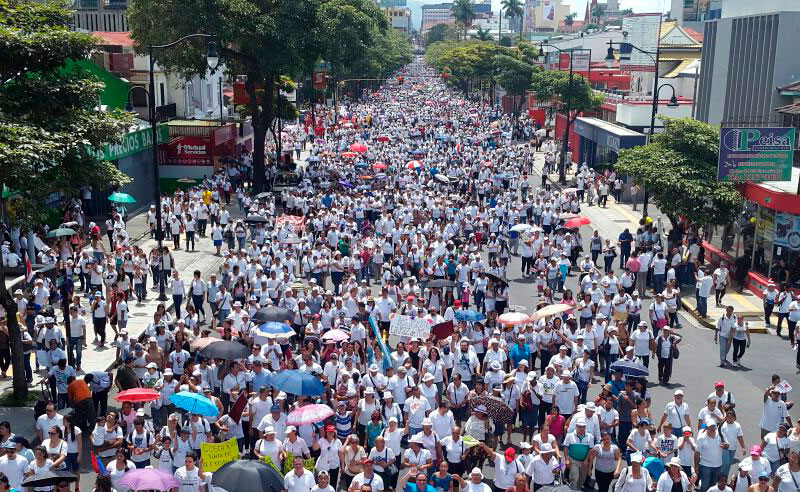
[{"x": 637, "y": 5}]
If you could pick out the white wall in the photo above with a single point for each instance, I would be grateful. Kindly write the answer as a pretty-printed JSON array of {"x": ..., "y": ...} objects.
[
  {"x": 639, "y": 114},
  {"x": 598, "y": 43}
]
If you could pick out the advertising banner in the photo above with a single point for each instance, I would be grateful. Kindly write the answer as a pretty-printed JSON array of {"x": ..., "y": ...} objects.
[
  {"x": 643, "y": 32},
  {"x": 190, "y": 147},
  {"x": 787, "y": 231},
  {"x": 756, "y": 154}
]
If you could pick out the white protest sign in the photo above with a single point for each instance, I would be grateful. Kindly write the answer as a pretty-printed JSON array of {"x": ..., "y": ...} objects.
[{"x": 406, "y": 326}]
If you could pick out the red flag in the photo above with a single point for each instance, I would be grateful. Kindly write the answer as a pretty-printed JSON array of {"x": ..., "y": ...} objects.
[
  {"x": 238, "y": 408},
  {"x": 28, "y": 269}
]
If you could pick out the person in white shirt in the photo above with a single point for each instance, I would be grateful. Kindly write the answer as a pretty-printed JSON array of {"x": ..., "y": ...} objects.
[
  {"x": 299, "y": 479},
  {"x": 368, "y": 477},
  {"x": 708, "y": 455},
  {"x": 192, "y": 479},
  {"x": 722, "y": 335},
  {"x": 677, "y": 412},
  {"x": 774, "y": 412},
  {"x": 14, "y": 467},
  {"x": 323, "y": 482}
]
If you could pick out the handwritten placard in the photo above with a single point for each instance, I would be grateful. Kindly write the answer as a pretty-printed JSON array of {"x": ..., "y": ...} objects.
[
  {"x": 406, "y": 326},
  {"x": 217, "y": 454}
]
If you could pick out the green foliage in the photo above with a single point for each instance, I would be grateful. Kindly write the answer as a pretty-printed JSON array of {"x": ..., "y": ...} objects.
[
  {"x": 464, "y": 13},
  {"x": 468, "y": 62},
  {"x": 569, "y": 19},
  {"x": 513, "y": 8},
  {"x": 440, "y": 32},
  {"x": 679, "y": 168},
  {"x": 506, "y": 41},
  {"x": 555, "y": 84},
  {"x": 47, "y": 111},
  {"x": 514, "y": 74},
  {"x": 482, "y": 35}
]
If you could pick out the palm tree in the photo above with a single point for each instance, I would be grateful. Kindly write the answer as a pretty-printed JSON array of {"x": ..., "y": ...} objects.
[
  {"x": 568, "y": 19},
  {"x": 598, "y": 12},
  {"x": 513, "y": 9},
  {"x": 482, "y": 35},
  {"x": 463, "y": 13}
]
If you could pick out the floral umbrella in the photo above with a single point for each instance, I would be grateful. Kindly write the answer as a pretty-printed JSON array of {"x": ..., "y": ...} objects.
[
  {"x": 309, "y": 414},
  {"x": 496, "y": 408}
]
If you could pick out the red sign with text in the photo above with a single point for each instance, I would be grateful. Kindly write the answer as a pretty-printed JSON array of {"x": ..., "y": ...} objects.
[{"x": 189, "y": 147}]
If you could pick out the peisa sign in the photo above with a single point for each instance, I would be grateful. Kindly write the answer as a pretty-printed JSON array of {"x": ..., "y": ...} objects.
[
  {"x": 756, "y": 154},
  {"x": 406, "y": 326}
]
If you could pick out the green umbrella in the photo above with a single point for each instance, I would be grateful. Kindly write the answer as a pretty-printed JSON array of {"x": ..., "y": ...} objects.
[
  {"x": 60, "y": 232},
  {"x": 121, "y": 198}
]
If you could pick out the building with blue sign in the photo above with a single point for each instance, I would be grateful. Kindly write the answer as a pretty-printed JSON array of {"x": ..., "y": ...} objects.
[{"x": 600, "y": 141}]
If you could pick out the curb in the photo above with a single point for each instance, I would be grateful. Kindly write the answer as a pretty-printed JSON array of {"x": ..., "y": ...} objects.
[{"x": 710, "y": 324}]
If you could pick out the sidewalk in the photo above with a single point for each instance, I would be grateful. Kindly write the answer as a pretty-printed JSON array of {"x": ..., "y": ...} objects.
[
  {"x": 203, "y": 259},
  {"x": 613, "y": 219}
]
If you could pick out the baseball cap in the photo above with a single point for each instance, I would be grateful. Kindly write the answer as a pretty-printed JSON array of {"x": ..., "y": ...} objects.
[
  {"x": 756, "y": 450},
  {"x": 510, "y": 454}
]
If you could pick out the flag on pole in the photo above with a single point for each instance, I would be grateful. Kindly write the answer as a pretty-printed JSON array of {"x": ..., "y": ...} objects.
[{"x": 387, "y": 357}]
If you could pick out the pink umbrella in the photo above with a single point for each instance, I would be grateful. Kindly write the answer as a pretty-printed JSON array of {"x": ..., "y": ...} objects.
[
  {"x": 149, "y": 479},
  {"x": 336, "y": 336},
  {"x": 513, "y": 318},
  {"x": 358, "y": 147},
  {"x": 309, "y": 414},
  {"x": 383, "y": 138},
  {"x": 380, "y": 166},
  {"x": 577, "y": 222},
  {"x": 349, "y": 155}
]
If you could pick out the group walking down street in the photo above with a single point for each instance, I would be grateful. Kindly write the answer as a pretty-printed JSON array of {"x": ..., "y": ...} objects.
[{"x": 426, "y": 310}]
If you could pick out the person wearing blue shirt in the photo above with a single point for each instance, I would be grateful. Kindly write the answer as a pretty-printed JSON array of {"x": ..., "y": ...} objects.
[
  {"x": 420, "y": 483},
  {"x": 520, "y": 351}
]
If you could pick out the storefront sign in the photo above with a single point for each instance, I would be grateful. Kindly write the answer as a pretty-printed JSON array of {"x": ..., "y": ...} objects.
[
  {"x": 132, "y": 143},
  {"x": 190, "y": 148},
  {"x": 787, "y": 231},
  {"x": 756, "y": 154}
]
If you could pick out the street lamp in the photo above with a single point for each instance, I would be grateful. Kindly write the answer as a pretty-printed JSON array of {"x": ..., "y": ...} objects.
[
  {"x": 562, "y": 172},
  {"x": 673, "y": 101},
  {"x": 212, "y": 59}
]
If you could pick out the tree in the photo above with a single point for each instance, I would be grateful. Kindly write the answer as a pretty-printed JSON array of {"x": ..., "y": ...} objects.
[
  {"x": 464, "y": 13},
  {"x": 506, "y": 41},
  {"x": 514, "y": 10},
  {"x": 598, "y": 12},
  {"x": 48, "y": 124},
  {"x": 482, "y": 35},
  {"x": 576, "y": 96},
  {"x": 514, "y": 75},
  {"x": 569, "y": 19},
  {"x": 440, "y": 32},
  {"x": 262, "y": 40},
  {"x": 679, "y": 170}
]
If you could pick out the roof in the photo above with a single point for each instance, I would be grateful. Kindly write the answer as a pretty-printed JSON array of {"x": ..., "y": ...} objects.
[
  {"x": 790, "y": 87},
  {"x": 789, "y": 109},
  {"x": 683, "y": 65},
  {"x": 673, "y": 34},
  {"x": 697, "y": 36},
  {"x": 113, "y": 38}
]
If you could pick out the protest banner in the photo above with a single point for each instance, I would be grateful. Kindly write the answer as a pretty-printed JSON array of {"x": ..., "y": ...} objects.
[
  {"x": 217, "y": 454},
  {"x": 288, "y": 463},
  {"x": 406, "y": 326}
]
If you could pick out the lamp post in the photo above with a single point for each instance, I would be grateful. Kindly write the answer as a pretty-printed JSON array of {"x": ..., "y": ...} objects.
[
  {"x": 562, "y": 172},
  {"x": 212, "y": 59},
  {"x": 673, "y": 101}
]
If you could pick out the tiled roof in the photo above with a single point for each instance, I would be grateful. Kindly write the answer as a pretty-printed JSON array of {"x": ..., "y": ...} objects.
[{"x": 114, "y": 38}]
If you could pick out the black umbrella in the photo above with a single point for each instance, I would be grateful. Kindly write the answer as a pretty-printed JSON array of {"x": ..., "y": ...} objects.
[
  {"x": 497, "y": 279},
  {"x": 255, "y": 219},
  {"x": 248, "y": 476},
  {"x": 225, "y": 349},
  {"x": 272, "y": 313},
  {"x": 440, "y": 283},
  {"x": 49, "y": 479}
]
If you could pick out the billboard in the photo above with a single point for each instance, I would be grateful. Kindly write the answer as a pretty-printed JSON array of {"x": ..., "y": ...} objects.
[
  {"x": 642, "y": 31},
  {"x": 756, "y": 154},
  {"x": 560, "y": 60}
]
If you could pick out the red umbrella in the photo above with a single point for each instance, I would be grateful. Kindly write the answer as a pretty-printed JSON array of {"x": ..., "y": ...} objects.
[
  {"x": 383, "y": 138},
  {"x": 414, "y": 164},
  {"x": 577, "y": 222},
  {"x": 349, "y": 155},
  {"x": 380, "y": 166},
  {"x": 138, "y": 395},
  {"x": 358, "y": 147}
]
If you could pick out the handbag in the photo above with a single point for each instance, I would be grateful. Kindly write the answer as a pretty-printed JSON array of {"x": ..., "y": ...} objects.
[{"x": 661, "y": 323}]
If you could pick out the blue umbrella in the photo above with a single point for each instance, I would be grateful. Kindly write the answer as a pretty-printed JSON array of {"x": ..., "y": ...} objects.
[
  {"x": 194, "y": 403},
  {"x": 469, "y": 315},
  {"x": 630, "y": 368},
  {"x": 297, "y": 383},
  {"x": 361, "y": 165},
  {"x": 417, "y": 152},
  {"x": 275, "y": 328}
]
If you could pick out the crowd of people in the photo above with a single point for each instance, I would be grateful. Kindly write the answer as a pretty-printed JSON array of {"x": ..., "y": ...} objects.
[{"x": 413, "y": 204}]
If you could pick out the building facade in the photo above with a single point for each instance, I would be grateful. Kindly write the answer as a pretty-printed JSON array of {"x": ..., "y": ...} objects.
[
  {"x": 100, "y": 15},
  {"x": 399, "y": 17}
]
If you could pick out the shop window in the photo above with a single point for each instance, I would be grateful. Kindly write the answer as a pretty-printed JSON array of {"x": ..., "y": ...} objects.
[
  {"x": 786, "y": 250},
  {"x": 765, "y": 233}
]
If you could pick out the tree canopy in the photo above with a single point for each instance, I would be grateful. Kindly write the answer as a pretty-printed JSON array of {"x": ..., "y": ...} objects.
[
  {"x": 49, "y": 121},
  {"x": 554, "y": 84},
  {"x": 440, "y": 32},
  {"x": 679, "y": 170}
]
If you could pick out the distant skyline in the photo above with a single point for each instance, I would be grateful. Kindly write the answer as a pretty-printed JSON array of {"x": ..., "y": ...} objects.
[{"x": 579, "y": 6}]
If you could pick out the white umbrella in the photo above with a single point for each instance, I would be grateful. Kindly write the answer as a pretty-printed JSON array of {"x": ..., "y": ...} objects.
[
  {"x": 550, "y": 310},
  {"x": 522, "y": 228}
]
